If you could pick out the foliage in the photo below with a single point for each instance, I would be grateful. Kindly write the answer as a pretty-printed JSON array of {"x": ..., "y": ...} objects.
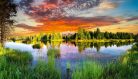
[
  {"x": 7, "y": 10},
  {"x": 82, "y": 34}
]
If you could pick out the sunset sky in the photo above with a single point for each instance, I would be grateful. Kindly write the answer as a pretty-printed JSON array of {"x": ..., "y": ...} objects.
[{"x": 36, "y": 16}]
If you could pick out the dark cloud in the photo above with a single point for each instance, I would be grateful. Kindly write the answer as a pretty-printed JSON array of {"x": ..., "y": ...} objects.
[
  {"x": 132, "y": 18},
  {"x": 24, "y": 26},
  {"x": 85, "y": 19},
  {"x": 55, "y": 8}
]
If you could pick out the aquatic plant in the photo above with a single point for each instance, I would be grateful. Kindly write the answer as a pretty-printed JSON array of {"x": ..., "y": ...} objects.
[
  {"x": 46, "y": 71},
  {"x": 37, "y": 46},
  {"x": 15, "y": 64},
  {"x": 124, "y": 68},
  {"x": 88, "y": 70},
  {"x": 53, "y": 52},
  {"x": 20, "y": 57}
]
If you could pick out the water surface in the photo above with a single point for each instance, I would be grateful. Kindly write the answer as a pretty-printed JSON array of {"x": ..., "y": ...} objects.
[{"x": 75, "y": 53}]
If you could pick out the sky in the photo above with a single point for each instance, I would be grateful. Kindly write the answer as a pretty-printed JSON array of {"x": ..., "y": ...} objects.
[{"x": 35, "y": 16}]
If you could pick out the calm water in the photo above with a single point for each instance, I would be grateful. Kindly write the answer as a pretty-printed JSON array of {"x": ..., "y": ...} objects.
[{"x": 75, "y": 53}]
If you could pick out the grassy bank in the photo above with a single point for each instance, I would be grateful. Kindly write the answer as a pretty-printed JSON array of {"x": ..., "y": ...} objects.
[
  {"x": 125, "y": 68},
  {"x": 104, "y": 40},
  {"x": 15, "y": 64}
]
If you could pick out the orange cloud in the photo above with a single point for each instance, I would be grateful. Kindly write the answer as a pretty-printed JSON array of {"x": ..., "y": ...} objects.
[{"x": 72, "y": 24}]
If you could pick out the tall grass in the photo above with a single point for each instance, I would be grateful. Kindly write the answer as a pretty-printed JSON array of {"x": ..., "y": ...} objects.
[
  {"x": 125, "y": 68},
  {"x": 89, "y": 70},
  {"x": 118, "y": 71},
  {"x": 46, "y": 70},
  {"x": 15, "y": 64},
  {"x": 54, "y": 52},
  {"x": 18, "y": 57}
]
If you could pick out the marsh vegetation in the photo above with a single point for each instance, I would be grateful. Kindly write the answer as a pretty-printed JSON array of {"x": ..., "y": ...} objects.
[{"x": 15, "y": 64}]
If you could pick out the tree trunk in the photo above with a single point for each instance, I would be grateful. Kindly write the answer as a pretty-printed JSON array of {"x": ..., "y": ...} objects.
[{"x": 2, "y": 37}]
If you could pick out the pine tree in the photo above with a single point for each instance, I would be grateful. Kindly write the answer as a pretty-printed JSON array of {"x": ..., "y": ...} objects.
[{"x": 7, "y": 10}]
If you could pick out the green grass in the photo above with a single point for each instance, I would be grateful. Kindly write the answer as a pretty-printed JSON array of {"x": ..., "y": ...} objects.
[
  {"x": 15, "y": 64},
  {"x": 18, "y": 57},
  {"x": 89, "y": 70},
  {"x": 53, "y": 52},
  {"x": 125, "y": 68},
  {"x": 118, "y": 71},
  {"x": 104, "y": 40},
  {"x": 46, "y": 70},
  {"x": 122, "y": 69}
]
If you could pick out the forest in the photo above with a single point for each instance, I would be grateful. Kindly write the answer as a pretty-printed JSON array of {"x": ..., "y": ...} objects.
[{"x": 80, "y": 36}]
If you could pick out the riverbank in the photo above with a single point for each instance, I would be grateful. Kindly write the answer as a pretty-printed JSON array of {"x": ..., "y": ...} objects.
[
  {"x": 105, "y": 40},
  {"x": 97, "y": 40},
  {"x": 16, "y": 64},
  {"x": 124, "y": 68}
]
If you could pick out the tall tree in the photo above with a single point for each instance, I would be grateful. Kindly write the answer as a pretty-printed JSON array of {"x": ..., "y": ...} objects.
[
  {"x": 98, "y": 33},
  {"x": 7, "y": 11},
  {"x": 81, "y": 34}
]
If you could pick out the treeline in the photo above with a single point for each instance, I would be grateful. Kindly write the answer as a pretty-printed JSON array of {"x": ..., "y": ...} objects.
[
  {"x": 82, "y": 34},
  {"x": 82, "y": 45},
  {"x": 87, "y": 35},
  {"x": 39, "y": 38}
]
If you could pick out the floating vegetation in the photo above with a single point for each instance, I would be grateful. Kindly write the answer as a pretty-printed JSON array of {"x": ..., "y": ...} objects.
[{"x": 37, "y": 46}]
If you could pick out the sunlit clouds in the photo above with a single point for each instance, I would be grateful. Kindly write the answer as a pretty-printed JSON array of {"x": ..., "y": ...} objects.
[{"x": 69, "y": 15}]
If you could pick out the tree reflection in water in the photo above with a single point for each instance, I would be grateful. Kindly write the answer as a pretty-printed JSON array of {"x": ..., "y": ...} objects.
[{"x": 82, "y": 45}]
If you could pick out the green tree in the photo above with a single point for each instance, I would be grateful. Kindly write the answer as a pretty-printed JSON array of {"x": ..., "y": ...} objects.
[
  {"x": 88, "y": 36},
  {"x": 98, "y": 33},
  {"x": 92, "y": 35},
  {"x": 80, "y": 34},
  {"x": 7, "y": 10},
  {"x": 106, "y": 35}
]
